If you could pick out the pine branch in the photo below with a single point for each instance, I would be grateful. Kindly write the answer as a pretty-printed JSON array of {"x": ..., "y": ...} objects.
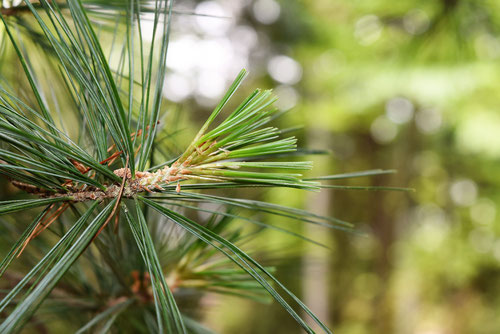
[{"x": 208, "y": 158}]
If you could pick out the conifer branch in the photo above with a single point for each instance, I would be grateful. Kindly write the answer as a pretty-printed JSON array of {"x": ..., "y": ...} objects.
[{"x": 214, "y": 155}]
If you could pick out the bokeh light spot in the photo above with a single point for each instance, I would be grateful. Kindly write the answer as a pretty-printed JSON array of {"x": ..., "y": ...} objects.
[
  {"x": 266, "y": 11},
  {"x": 428, "y": 121},
  {"x": 287, "y": 97},
  {"x": 463, "y": 192},
  {"x": 399, "y": 110},
  {"x": 177, "y": 87},
  {"x": 368, "y": 29},
  {"x": 212, "y": 19},
  {"x": 284, "y": 69},
  {"x": 383, "y": 131},
  {"x": 483, "y": 212}
]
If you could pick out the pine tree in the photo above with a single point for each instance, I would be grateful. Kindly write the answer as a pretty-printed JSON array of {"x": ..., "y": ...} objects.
[{"x": 79, "y": 136}]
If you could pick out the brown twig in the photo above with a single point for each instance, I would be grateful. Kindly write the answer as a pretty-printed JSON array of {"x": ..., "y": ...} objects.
[
  {"x": 29, "y": 188},
  {"x": 25, "y": 243},
  {"x": 43, "y": 224},
  {"x": 118, "y": 198},
  {"x": 53, "y": 218}
]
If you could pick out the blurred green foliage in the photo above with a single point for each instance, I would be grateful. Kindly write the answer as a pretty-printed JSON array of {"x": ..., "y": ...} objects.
[{"x": 409, "y": 85}]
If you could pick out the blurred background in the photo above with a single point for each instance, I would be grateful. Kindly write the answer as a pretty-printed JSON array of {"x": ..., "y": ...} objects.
[{"x": 407, "y": 85}]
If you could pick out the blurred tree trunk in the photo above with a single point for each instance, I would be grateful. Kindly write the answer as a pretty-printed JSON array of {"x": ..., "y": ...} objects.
[{"x": 316, "y": 281}]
